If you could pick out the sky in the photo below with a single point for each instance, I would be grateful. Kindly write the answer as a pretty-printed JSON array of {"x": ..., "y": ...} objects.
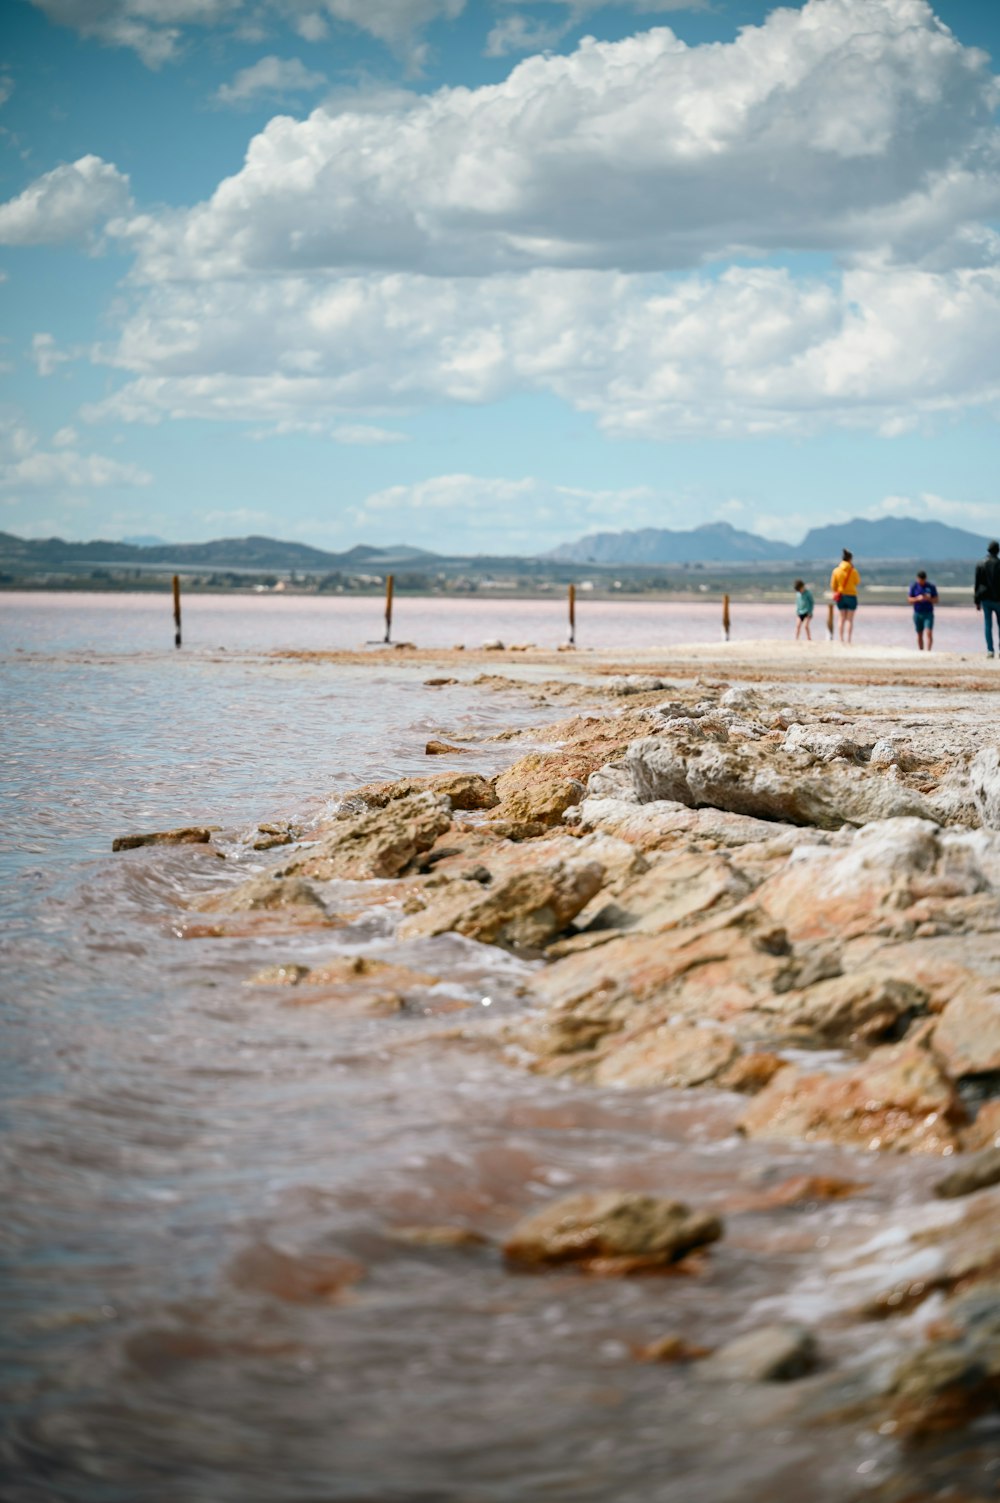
[{"x": 484, "y": 276}]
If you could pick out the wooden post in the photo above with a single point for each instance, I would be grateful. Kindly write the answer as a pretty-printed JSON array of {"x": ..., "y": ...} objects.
[
  {"x": 725, "y": 618},
  {"x": 389, "y": 582},
  {"x": 829, "y": 622},
  {"x": 177, "y": 610},
  {"x": 572, "y": 615}
]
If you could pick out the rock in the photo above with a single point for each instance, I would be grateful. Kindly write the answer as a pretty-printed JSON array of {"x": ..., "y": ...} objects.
[
  {"x": 272, "y": 835},
  {"x": 279, "y": 975},
  {"x": 865, "y": 1007},
  {"x": 265, "y": 892},
  {"x": 750, "y": 1073},
  {"x": 672, "y": 1348},
  {"x": 189, "y": 835},
  {"x": 670, "y": 891},
  {"x": 661, "y": 824},
  {"x": 523, "y": 907},
  {"x": 443, "y": 749},
  {"x": 438, "y": 683},
  {"x": 772, "y": 1354},
  {"x": 898, "y": 1099},
  {"x": 464, "y": 790},
  {"x": 535, "y": 791},
  {"x": 633, "y": 683},
  {"x": 437, "y": 1236},
  {"x": 885, "y": 753},
  {"x": 360, "y": 984},
  {"x": 738, "y": 698},
  {"x": 984, "y": 1132},
  {"x": 984, "y": 778},
  {"x": 639, "y": 1231},
  {"x": 298, "y": 1278},
  {"x": 971, "y": 1175},
  {"x": 949, "y": 1383},
  {"x": 380, "y": 843},
  {"x": 822, "y": 746},
  {"x": 673, "y": 1054},
  {"x": 492, "y": 644},
  {"x": 967, "y": 1036},
  {"x": 747, "y": 778},
  {"x": 612, "y": 782}
]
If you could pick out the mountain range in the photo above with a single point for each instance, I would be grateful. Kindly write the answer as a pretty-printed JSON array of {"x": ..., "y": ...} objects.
[
  {"x": 719, "y": 542},
  {"x": 250, "y": 553}
]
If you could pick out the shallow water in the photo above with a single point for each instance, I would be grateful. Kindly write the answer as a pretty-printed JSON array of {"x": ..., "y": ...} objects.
[{"x": 182, "y": 1152}]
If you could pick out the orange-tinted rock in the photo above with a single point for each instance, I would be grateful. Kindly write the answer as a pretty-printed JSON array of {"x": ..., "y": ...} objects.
[
  {"x": 611, "y": 1224},
  {"x": 379, "y": 843},
  {"x": 522, "y": 908},
  {"x": 189, "y": 835},
  {"x": 967, "y": 1035},
  {"x": 899, "y": 1098},
  {"x": 750, "y": 1073},
  {"x": 673, "y": 1349},
  {"x": 265, "y": 893},
  {"x": 679, "y": 1053},
  {"x": 443, "y": 749},
  {"x": 465, "y": 790}
]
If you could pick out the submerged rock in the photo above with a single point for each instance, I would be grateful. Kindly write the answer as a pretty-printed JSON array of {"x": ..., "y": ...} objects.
[
  {"x": 977, "y": 1173},
  {"x": 772, "y": 1354},
  {"x": 188, "y": 835},
  {"x": 640, "y": 1231},
  {"x": 265, "y": 892},
  {"x": 954, "y": 1379}
]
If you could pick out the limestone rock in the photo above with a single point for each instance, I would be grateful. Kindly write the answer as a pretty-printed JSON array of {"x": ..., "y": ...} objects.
[
  {"x": 534, "y": 790},
  {"x": 772, "y": 1354},
  {"x": 967, "y": 1036},
  {"x": 747, "y": 778},
  {"x": 188, "y": 835},
  {"x": 464, "y": 790},
  {"x": 435, "y": 748},
  {"x": 970, "y": 1175},
  {"x": 677, "y": 1054},
  {"x": 984, "y": 777},
  {"x": 524, "y": 905},
  {"x": 898, "y": 1099},
  {"x": 823, "y": 746},
  {"x": 642, "y": 1230},
  {"x": 633, "y": 683},
  {"x": 867, "y": 1006},
  {"x": 950, "y": 1382},
  {"x": 380, "y": 843},
  {"x": 266, "y": 892}
]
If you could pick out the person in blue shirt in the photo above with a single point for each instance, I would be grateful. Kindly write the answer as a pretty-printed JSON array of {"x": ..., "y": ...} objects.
[
  {"x": 923, "y": 595},
  {"x": 804, "y": 607}
]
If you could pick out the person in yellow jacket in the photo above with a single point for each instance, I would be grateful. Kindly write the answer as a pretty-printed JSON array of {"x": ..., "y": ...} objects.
[{"x": 844, "y": 583}]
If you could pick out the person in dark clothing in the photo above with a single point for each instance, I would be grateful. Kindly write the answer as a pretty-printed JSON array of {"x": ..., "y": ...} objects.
[
  {"x": 923, "y": 598},
  {"x": 987, "y": 592}
]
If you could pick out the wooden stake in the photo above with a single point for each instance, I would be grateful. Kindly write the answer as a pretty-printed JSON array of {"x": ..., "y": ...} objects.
[
  {"x": 177, "y": 610},
  {"x": 829, "y": 622},
  {"x": 389, "y": 582},
  {"x": 571, "y": 595},
  {"x": 725, "y": 618}
]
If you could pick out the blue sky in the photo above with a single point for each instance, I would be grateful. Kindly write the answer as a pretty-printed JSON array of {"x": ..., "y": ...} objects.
[{"x": 485, "y": 277}]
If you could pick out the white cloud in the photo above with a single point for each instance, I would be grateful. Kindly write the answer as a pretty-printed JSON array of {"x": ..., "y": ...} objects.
[
  {"x": 28, "y": 469},
  {"x": 846, "y": 126},
  {"x": 751, "y": 351},
  {"x": 69, "y": 203},
  {"x": 155, "y": 29},
  {"x": 46, "y": 354},
  {"x": 529, "y": 513},
  {"x": 270, "y": 77},
  {"x": 521, "y": 33},
  {"x": 367, "y": 433}
]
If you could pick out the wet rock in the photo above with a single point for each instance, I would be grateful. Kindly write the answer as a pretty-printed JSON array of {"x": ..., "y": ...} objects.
[
  {"x": 380, "y": 843},
  {"x": 536, "y": 791},
  {"x": 272, "y": 835},
  {"x": 973, "y": 1174},
  {"x": 361, "y": 984},
  {"x": 641, "y": 1231},
  {"x": 772, "y": 1354},
  {"x": 189, "y": 835},
  {"x": 898, "y": 1099},
  {"x": 801, "y": 1190},
  {"x": 438, "y": 683},
  {"x": 280, "y": 975},
  {"x": 748, "y": 778},
  {"x": 464, "y": 790},
  {"x": 298, "y": 1278},
  {"x": 443, "y": 749},
  {"x": 267, "y": 892},
  {"x": 951, "y": 1382},
  {"x": 523, "y": 907},
  {"x": 967, "y": 1037},
  {"x": 750, "y": 1073},
  {"x": 675, "y": 1054}
]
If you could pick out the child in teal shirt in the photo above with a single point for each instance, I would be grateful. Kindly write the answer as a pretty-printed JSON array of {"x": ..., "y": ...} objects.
[{"x": 804, "y": 607}]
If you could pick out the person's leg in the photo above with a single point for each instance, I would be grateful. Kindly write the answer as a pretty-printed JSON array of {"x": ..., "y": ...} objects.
[
  {"x": 843, "y": 622},
  {"x": 798, "y": 627},
  {"x": 987, "y": 607},
  {"x": 920, "y": 635},
  {"x": 850, "y": 626},
  {"x": 806, "y": 620},
  {"x": 930, "y": 631}
]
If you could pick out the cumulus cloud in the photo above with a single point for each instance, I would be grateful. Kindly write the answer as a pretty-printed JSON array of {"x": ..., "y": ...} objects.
[
  {"x": 154, "y": 29},
  {"x": 27, "y": 468},
  {"x": 847, "y": 125},
  {"x": 270, "y": 78},
  {"x": 753, "y": 350},
  {"x": 72, "y": 202},
  {"x": 46, "y": 354}
]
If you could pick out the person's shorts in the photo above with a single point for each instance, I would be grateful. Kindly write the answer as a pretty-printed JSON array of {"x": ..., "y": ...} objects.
[
  {"x": 923, "y": 620},
  {"x": 804, "y": 615},
  {"x": 847, "y": 603}
]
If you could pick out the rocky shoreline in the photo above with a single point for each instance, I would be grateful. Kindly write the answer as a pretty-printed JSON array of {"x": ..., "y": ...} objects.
[{"x": 786, "y": 893}]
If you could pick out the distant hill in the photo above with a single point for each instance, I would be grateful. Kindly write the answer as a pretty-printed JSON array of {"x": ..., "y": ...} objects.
[
  {"x": 258, "y": 553},
  {"x": 714, "y": 542},
  {"x": 893, "y": 537},
  {"x": 901, "y": 538}
]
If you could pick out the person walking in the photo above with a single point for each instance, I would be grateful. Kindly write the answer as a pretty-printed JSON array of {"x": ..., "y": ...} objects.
[
  {"x": 987, "y": 592},
  {"x": 923, "y": 597},
  {"x": 804, "y": 607},
  {"x": 844, "y": 583}
]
